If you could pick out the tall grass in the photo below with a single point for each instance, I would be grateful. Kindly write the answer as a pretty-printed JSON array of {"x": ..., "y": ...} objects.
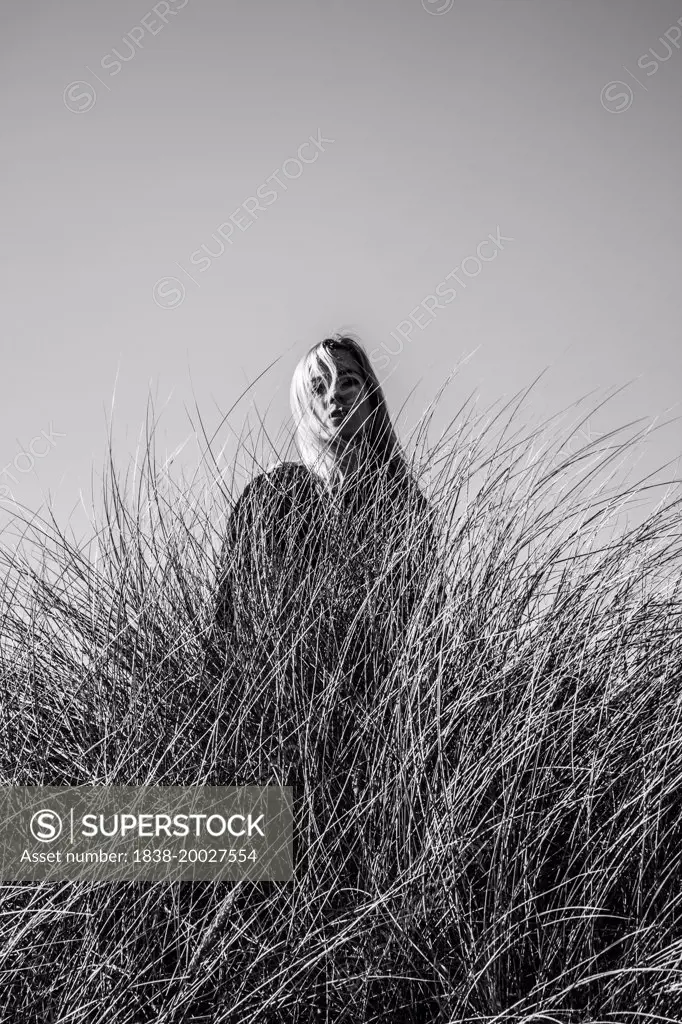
[{"x": 488, "y": 829}]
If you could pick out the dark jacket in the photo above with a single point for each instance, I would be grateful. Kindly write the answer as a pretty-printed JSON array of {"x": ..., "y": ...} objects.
[{"x": 327, "y": 582}]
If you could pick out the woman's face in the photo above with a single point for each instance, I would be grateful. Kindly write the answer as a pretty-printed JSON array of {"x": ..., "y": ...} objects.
[{"x": 340, "y": 400}]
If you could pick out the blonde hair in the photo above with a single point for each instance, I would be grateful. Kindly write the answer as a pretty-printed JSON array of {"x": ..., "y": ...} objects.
[{"x": 332, "y": 458}]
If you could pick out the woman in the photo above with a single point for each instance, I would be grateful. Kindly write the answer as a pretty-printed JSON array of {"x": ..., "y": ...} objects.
[
  {"x": 324, "y": 563},
  {"x": 325, "y": 560},
  {"x": 324, "y": 567}
]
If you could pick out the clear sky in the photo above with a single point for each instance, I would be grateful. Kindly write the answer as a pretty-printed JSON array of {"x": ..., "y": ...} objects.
[{"x": 136, "y": 132}]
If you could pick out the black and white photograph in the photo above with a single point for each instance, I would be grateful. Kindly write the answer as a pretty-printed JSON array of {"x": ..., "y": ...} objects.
[{"x": 340, "y": 512}]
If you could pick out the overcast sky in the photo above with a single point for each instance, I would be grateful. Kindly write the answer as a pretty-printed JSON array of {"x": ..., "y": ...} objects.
[{"x": 195, "y": 188}]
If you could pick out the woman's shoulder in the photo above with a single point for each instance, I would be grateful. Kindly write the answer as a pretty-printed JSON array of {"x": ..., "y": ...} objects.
[
  {"x": 283, "y": 476},
  {"x": 282, "y": 471},
  {"x": 279, "y": 479},
  {"x": 403, "y": 487}
]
